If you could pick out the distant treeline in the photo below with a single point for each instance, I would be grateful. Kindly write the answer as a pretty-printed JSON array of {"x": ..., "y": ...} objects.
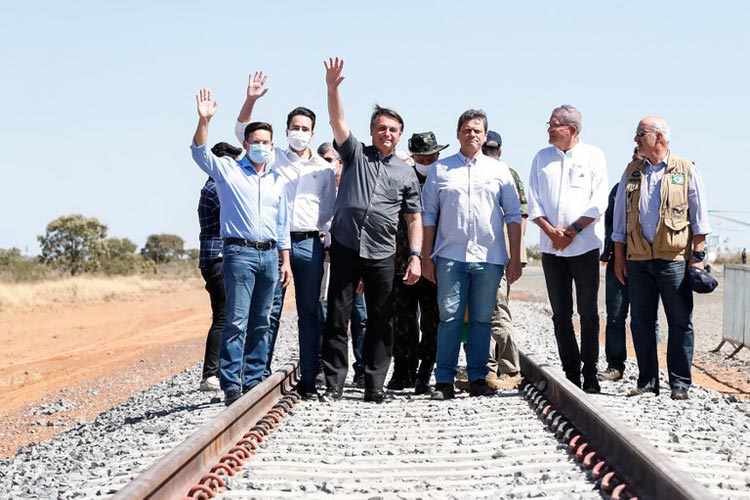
[{"x": 75, "y": 244}]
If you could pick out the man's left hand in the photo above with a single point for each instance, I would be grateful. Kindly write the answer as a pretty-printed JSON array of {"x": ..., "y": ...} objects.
[
  {"x": 413, "y": 270},
  {"x": 513, "y": 271},
  {"x": 285, "y": 275}
]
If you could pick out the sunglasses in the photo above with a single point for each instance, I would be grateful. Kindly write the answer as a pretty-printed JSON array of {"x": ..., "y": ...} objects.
[{"x": 641, "y": 133}]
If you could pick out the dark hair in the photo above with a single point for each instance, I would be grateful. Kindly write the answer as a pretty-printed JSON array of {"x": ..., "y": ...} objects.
[
  {"x": 300, "y": 111},
  {"x": 253, "y": 126},
  {"x": 379, "y": 111},
  {"x": 492, "y": 151},
  {"x": 225, "y": 149},
  {"x": 326, "y": 147},
  {"x": 472, "y": 114}
]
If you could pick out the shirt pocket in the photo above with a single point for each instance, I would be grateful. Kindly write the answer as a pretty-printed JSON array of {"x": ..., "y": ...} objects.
[{"x": 579, "y": 177}]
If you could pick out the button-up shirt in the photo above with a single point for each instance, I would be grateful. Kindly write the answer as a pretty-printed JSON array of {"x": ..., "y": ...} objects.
[
  {"x": 310, "y": 187},
  {"x": 253, "y": 205},
  {"x": 209, "y": 214},
  {"x": 564, "y": 186},
  {"x": 372, "y": 193},
  {"x": 468, "y": 200},
  {"x": 650, "y": 202}
]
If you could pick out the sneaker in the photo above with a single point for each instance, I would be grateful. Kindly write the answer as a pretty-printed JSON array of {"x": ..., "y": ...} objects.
[
  {"x": 639, "y": 391},
  {"x": 462, "y": 385},
  {"x": 443, "y": 392},
  {"x": 679, "y": 394},
  {"x": 210, "y": 384},
  {"x": 480, "y": 387},
  {"x": 611, "y": 374},
  {"x": 231, "y": 396},
  {"x": 504, "y": 381}
]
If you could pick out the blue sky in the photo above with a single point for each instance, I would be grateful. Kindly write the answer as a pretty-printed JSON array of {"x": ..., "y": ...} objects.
[{"x": 100, "y": 108}]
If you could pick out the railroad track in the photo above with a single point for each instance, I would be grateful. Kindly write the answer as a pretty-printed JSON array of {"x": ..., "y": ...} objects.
[{"x": 547, "y": 439}]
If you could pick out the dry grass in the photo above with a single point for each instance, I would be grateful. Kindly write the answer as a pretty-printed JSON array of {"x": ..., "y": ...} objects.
[{"x": 28, "y": 296}]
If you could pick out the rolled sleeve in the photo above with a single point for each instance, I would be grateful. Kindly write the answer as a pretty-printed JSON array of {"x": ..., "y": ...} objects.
[
  {"x": 430, "y": 206},
  {"x": 619, "y": 216},
  {"x": 284, "y": 241},
  {"x": 206, "y": 160},
  {"x": 697, "y": 204},
  {"x": 510, "y": 202},
  {"x": 239, "y": 130},
  {"x": 532, "y": 194}
]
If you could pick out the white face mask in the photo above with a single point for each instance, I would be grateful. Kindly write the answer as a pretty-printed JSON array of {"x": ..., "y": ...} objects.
[
  {"x": 424, "y": 169},
  {"x": 298, "y": 139},
  {"x": 259, "y": 153}
]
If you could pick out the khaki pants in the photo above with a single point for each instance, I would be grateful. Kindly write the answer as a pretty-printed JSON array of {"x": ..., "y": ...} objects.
[{"x": 503, "y": 351}]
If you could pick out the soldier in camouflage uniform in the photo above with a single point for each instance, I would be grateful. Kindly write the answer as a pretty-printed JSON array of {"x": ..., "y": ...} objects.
[{"x": 415, "y": 306}]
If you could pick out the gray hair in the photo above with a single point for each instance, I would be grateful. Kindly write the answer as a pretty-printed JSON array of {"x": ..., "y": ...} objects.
[
  {"x": 661, "y": 126},
  {"x": 569, "y": 115},
  {"x": 472, "y": 114},
  {"x": 326, "y": 147}
]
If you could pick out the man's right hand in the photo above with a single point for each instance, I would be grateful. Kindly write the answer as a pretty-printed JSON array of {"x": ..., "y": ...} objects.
[
  {"x": 334, "y": 68},
  {"x": 206, "y": 107},
  {"x": 255, "y": 86},
  {"x": 428, "y": 269},
  {"x": 560, "y": 240}
]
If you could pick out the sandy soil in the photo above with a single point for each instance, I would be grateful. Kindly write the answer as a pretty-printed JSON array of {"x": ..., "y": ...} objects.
[{"x": 91, "y": 357}]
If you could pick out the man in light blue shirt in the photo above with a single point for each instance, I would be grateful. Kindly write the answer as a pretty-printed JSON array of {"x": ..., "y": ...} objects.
[
  {"x": 466, "y": 198},
  {"x": 255, "y": 229}
]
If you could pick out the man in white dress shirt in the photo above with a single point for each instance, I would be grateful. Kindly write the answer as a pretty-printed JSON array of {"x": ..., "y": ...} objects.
[
  {"x": 567, "y": 196},
  {"x": 466, "y": 199},
  {"x": 311, "y": 194}
]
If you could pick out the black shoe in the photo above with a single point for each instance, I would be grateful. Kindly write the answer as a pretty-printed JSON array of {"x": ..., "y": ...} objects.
[
  {"x": 308, "y": 394},
  {"x": 331, "y": 394},
  {"x": 399, "y": 381},
  {"x": 422, "y": 386},
  {"x": 611, "y": 374},
  {"x": 442, "y": 392},
  {"x": 359, "y": 381},
  {"x": 575, "y": 378},
  {"x": 591, "y": 386},
  {"x": 375, "y": 396},
  {"x": 231, "y": 396},
  {"x": 480, "y": 387},
  {"x": 679, "y": 394}
]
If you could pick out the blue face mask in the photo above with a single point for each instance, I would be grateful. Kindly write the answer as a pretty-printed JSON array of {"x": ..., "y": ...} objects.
[{"x": 259, "y": 153}]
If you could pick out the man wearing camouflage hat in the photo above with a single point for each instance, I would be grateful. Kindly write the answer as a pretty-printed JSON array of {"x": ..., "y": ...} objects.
[{"x": 413, "y": 360}]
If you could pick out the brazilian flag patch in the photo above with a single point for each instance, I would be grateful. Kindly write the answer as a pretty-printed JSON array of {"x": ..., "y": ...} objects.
[{"x": 678, "y": 179}]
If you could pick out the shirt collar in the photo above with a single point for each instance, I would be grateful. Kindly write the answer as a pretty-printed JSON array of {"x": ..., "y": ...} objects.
[
  {"x": 569, "y": 153},
  {"x": 244, "y": 162},
  {"x": 468, "y": 161},
  {"x": 659, "y": 165}
]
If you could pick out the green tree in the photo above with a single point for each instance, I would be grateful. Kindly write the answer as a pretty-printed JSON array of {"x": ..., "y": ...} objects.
[
  {"x": 163, "y": 248},
  {"x": 119, "y": 247},
  {"x": 74, "y": 243}
]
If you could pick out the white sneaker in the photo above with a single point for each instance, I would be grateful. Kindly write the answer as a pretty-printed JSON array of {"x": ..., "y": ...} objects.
[{"x": 210, "y": 384}]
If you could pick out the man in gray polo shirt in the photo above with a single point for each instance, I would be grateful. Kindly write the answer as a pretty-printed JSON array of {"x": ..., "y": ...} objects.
[{"x": 375, "y": 188}]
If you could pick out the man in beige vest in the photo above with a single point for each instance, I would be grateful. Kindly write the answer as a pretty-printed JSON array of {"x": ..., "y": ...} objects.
[{"x": 660, "y": 228}]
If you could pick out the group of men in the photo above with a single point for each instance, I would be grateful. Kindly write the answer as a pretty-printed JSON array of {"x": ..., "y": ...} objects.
[{"x": 429, "y": 240}]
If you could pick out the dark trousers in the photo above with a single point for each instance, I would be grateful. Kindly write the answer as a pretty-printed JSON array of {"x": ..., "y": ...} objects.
[
  {"x": 616, "y": 295},
  {"x": 415, "y": 308},
  {"x": 347, "y": 268},
  {"x": 647, "y": 281},
  {"x": 215, "y": 288},
  {"x": 560, "y": 273}
]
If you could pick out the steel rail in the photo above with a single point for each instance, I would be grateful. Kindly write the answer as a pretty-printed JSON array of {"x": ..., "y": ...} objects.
[
  {"x": 173, "y": 475},
  {"x": 649, "y": 472}
]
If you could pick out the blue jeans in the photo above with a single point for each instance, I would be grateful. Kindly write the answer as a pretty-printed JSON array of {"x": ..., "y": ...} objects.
[
  {"x": 307, "y": 269},
  {"x": 273, "y": 329},
  {"x": 357, "y": 328},
  {"x": 647, "y": 281},
  {"x": 250, "y": 276},
  {"x": 616, "y": 297},
  {"x": 461, "y": 284}
]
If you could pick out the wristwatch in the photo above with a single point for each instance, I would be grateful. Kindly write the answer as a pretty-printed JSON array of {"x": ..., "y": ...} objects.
[
  {"x": 416, "y": 253},
  {"x": 698, "y": 256},
  {"x": 577, "y": 226}
]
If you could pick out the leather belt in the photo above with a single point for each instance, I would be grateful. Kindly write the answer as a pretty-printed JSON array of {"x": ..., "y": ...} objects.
[
  {"x": 303, "y": 235},
  {"x": 260, "y": 245}
]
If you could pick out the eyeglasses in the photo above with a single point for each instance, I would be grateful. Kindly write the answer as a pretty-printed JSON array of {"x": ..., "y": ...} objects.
[
  {"x": 556, "y": 125},
  {"x": 641, "y": 133}
]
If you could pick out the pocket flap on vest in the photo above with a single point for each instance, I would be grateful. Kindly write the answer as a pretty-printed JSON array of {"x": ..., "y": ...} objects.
[{"x": 676, "y": 224}]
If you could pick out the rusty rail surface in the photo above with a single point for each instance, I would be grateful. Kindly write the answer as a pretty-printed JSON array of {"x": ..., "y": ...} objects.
[
  {"x": 180, "y": 469},
  {"x": 637, "y": 465}
]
